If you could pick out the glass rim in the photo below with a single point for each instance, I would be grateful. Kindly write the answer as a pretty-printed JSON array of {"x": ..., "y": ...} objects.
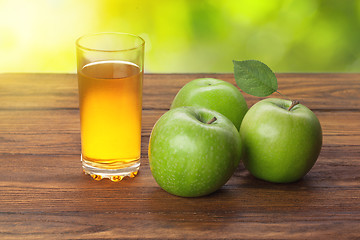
[{"x": 77, "y": 42}]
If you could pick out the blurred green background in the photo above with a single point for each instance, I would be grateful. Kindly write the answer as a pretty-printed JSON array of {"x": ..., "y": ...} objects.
[{"x": 186, "y": 35}]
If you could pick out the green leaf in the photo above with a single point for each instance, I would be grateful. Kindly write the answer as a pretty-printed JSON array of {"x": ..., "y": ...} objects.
[{"x": 255, "y": 78}]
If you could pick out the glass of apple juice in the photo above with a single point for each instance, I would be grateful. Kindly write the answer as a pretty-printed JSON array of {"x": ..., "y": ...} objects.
[{"x": 110, "y": 75}]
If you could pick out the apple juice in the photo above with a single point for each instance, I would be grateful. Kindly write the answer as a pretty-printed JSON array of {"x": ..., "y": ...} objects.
[{"x": 110, "y": 113}]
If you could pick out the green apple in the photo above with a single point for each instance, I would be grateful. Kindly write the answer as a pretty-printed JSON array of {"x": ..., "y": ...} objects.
[
  {"x": 282, "y": 140},
  {"x": 193, "y": 151},
  {"x": 214, "y": 94}
]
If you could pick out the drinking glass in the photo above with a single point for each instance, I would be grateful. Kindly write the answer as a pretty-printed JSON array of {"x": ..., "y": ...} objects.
[{"x": 110, "y": 75}]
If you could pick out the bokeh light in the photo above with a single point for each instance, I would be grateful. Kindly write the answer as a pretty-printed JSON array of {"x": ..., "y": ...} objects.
[{"x": 186, "y": 35}]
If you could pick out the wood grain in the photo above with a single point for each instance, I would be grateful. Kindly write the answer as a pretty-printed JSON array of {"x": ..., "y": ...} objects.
[
  {"x": 53, "y": 91},
  {"x": 44, "y": 193}
]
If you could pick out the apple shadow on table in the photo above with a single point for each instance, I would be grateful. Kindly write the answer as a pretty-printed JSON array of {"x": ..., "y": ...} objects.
[
  {"x": 244, "y": 177},
  {"x": 184, "y": 214},
  {"x": 242, "y": 197},
  {"x": 265, "y": 195}
]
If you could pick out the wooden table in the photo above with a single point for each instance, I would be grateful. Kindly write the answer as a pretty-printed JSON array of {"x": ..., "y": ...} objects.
[{"x": 44, "y": 193}]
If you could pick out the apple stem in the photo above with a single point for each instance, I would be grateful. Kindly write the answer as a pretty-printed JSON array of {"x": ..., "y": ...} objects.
[
  {"x": 293, "y": 104},
  {"x": 212, "y": 120}
]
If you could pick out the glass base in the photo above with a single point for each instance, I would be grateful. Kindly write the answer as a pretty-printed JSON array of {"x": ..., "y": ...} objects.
[{"x": 115, "y": 174}]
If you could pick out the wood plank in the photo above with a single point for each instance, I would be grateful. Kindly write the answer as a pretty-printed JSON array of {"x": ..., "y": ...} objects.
[
  {"x": 336, "y": 167},
  {"x": 312, "y": 90},
  {"x": 58, "y": 131},
  {"x": 158, "y": 226},
  {"x": 64, "y": 202},
  {"x": 38, "y": 91},
  {"x": 34, "y": 91}
]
